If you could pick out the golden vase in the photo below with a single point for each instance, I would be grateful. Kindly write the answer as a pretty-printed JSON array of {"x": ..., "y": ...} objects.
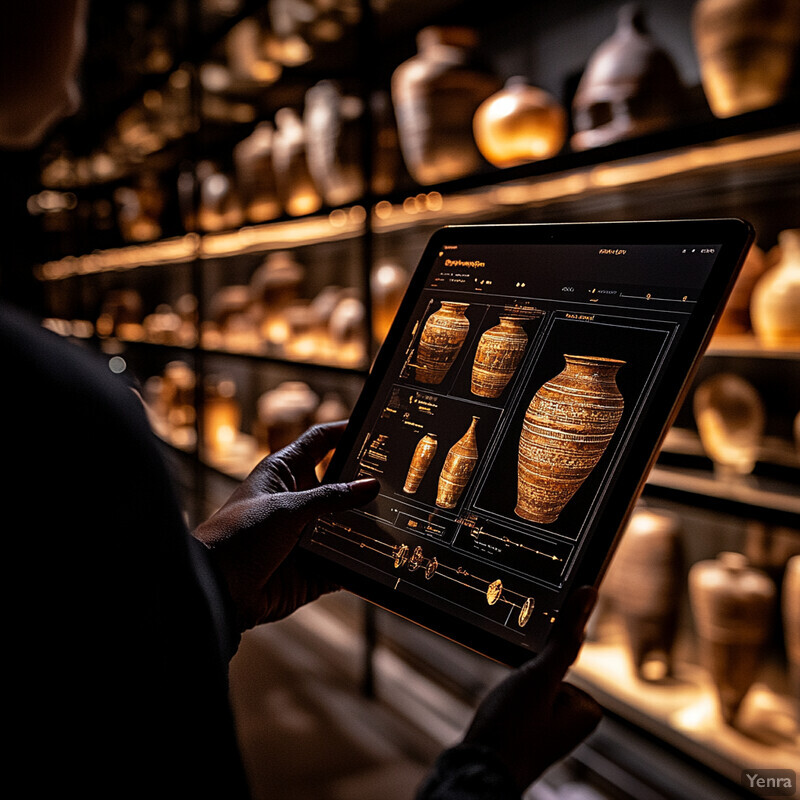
[
  {"x": 441, "y": 341},
  {"x": 458, "y": 466},
  {"x": 567, "y": 428},
  {"x": 420, "y": 461},
  {"x": 499, "y": 353}
]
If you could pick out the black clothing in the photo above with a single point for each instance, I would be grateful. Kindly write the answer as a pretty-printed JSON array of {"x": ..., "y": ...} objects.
[{"x": 120, "y": 632}]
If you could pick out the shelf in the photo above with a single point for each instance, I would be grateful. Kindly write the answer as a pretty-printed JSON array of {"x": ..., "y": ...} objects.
[
  {"x": 462, "y": 201},
  {"x": 683, "y": 711},
  {"x": 749, "y": 496},
  {"x": 747, "y": 346}
]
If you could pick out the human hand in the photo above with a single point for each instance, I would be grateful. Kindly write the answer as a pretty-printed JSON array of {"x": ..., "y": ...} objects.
[
  {"x": 533, "y": 718},
  {"x": 252, "y": 537}
]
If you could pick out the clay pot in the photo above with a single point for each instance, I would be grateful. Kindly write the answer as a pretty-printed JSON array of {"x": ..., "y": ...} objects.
[
  {"x": 735, "y": 318},
  {"x": 519, "y": 124},
  {"x": 730, "y": 420},
  {"x": 255, "y": 175},
  {"x": 645, "y": 582},
  {"x": 457, "y": 469},
  {"x": 500, "y": 351},
  {"x": 775, "y": 306},
  {"x": 333, "y": 124},
  {"x": 219, "y": 206},
  {"x": 435, "y": 95},
  {"x": 791, "y": 622},
  {"x": 748, "y": 52},
  {"x": 568, "y": 425},
  {"x": 277, "y": 280},
  {"x": 630, "y": 87},
  {"x": 284, "y": 413},
  {"x": 441, "y": 341},
  {"x": 732, "y": 604},
  {"x": 296, "y": 188},
  {"x": 420, "y": 461}
]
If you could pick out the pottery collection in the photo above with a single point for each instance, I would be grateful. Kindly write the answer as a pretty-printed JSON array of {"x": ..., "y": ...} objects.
[
  {"x": 630, "y": 87},
  {"x": 435, "y": 96},
  {"x": 748, "y": 50},
  {"x": 458, "y": 467},
  {"x": 440, "y": 342},
  {"x": 645, "y": 584},
  {"x": 732, "y": 604},
  {"x": 519, "y": 124},
  {"x": 730, "y": 419},
  {"x": 775, "y": 304},
  {"x": 568, "y": 426}
]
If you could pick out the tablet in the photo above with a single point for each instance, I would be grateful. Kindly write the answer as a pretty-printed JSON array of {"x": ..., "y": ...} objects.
[{"x": 512, "y": 416}]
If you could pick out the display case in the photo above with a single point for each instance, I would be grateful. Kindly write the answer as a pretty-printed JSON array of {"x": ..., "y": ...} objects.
[{"x": 237, "y": 230}]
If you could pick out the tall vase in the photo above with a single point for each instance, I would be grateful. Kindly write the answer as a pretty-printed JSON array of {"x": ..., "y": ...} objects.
[
  {"x": 775, "y": 305},
  {"x": 458, "y": 466},
  {"x": 748, "y": 51},
  {"x": 435, "y": 95},
  {"x": 644, "y": 582},
  {"x": 333, "y": 124},
  {"x": 791, "y": 623},
  {"x": 732, "y": 604},
  {"x": 441, "y": 341},
  {"x": 499, "y": 353},
  {"x": 567, "y": 428},
  {"x": 255, "y": 176},
  {"x": 296, "y": 188},
  {"x": 420, "y": 461}
]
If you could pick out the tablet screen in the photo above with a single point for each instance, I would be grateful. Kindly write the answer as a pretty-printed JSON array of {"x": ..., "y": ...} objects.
[{"x": 516, "y": 388}]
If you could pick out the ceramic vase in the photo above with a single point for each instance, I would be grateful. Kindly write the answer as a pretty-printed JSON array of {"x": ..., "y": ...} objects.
[
  {"x": 420, "y": 461},
  {"x": 645, "y": 582},
  {"x": 735, "y": 318},
  {"x": 435, "y": 95},
  {"x": 333, "y": 124},
  {"x": 730, "y": 420},
  {"x": 458, "y": 467},
  {"x": 748, "y": 52},
  {"x": 255, "y": 174},
  {"x": 567, "y": 428},
  {"x": 220, "y": 206},
  {"x": 630, "y": 87},
  {"x": 775, "y": 306},
  {"x": 297, "y": 191},
  {"x": 441, "y": 341},
  {"x": 519, "y": 124},
  {"x": 500, "y": 351},
  {"x": 284, "y": 413},
  {"x": 790, "y": 602},
  {"x": 732, "y": 605}
]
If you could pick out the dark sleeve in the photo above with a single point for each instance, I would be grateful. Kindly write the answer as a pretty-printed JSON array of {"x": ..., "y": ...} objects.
[
  {"x": 468, "y": 772},
  {"x": 119, "y": 628}
]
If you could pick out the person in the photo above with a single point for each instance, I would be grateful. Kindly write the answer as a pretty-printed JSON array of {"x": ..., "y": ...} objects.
[{"x": 120, "y": 622}]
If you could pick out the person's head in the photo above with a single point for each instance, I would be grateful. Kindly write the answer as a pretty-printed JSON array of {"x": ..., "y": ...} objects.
[{"x": 41, "y": 48}]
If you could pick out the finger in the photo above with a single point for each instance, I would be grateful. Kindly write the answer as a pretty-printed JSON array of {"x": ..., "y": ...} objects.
[
  {"x": 313, "y": 445},
  {"x": 332, "y": 497}
]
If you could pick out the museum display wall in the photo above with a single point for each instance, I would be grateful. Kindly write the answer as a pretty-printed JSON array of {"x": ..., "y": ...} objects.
[{"x": 235, "y": 221}]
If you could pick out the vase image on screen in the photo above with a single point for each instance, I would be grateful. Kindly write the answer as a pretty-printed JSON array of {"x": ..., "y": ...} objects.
[
  {"x": 420, "y": 461},
  {"x": 567, "y": 428},
  {"x": 457, "y": 469},
  {"x": 441, "y": 341},
  {"x": 499, "y": 353}
]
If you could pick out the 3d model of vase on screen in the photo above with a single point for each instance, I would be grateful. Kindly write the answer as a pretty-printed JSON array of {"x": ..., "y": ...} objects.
[
  {"x": 441, "y": 341},
  {"x": 567, "y": 427},
  {"x": 500, "y": 351},
  {"x": 458, "y": 467},
  {"x": 420, "y": 461}
]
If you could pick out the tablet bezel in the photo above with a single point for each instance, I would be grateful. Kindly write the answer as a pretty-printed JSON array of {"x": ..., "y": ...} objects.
[{"x": 734, "y": 237}]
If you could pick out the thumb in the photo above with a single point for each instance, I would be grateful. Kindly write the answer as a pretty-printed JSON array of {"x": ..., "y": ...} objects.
[{"x": 331, "y": 497}]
